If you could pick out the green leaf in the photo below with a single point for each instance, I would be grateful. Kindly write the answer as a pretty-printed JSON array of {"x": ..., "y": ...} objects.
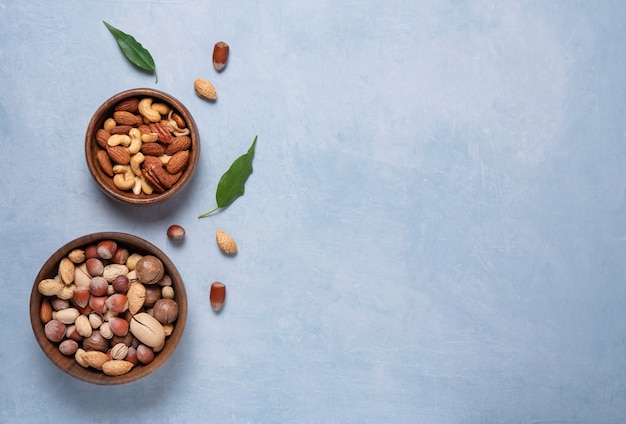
[
  {"x": 232, "y": 184},
  {"x": 133, "y": 50}
]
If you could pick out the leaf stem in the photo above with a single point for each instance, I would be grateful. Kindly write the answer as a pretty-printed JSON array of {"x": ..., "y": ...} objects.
[{"x": 208, "y": 213}]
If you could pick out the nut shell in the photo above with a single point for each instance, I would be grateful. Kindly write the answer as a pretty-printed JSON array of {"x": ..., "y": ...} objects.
[{"x": 149, "y": 269}]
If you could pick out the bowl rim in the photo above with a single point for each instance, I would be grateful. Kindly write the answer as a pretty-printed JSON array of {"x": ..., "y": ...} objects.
[
  {"x": 67, "y": 363},
  {"x": 104, "y": 111}
]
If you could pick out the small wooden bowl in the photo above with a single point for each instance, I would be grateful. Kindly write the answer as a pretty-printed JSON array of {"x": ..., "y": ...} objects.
[
  {"x": 104, "y": 181},
  {"x": 67, "y": 363}
]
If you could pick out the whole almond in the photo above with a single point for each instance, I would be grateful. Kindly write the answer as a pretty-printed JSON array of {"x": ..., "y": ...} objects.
[
  {"x": 152, "y": 149},
  {"x": 129, "y": 105},
  {"x": 225, "y": 242},
  {"x": 136, "y": 297},
  {"x": 120, "y": 129},
  {"x": 94, "y": 358},
  {"x": 126, "y": 118},
  {"x": 105, "y": 162},
  {"x": 45, "y": 311},
  {"x": 116, "y": 367},
  {"x": 178, "y": 144},
  {"x": 119, "y": 155},
  {"x": 205, "y": 89},
  {"x": 66, "y": 271},
  {"x": 102, "y": 137},
  {"x": 178, "y": 162}
]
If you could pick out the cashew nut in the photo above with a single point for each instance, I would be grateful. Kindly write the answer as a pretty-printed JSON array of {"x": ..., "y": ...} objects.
[
  {"x": 135, "y": 163},
  {"x": 145, "y": 109},
  {"x": 124, "y": 178},
  {"x": 135, "y": 141},
  {"x": 109, "y": 124},
  {"x": 172, "y": 126},
  {"x": 165, "y": 159},
  {"x": 118, "y": 139},
  {"x": 149, "y": 137},
  {"x": 162, "y": 108},
  {"x": 145, "y": 186},
  {"x": 137, "y": 186}
]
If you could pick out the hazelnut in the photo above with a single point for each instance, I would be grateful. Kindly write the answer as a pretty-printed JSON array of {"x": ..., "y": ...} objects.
[
  {"x": 106, "y": 249},
  {"x": 55, "y": 330},
  {"x": 59, "y": 304},
  {"x": 91, "y": 251},
  {"x": 98, "y": 286},
  {"x": 121, "y": 284},
  {"x": 117, "y": 303},
  {"x": 98, "y": 304},
  {"x": 81, "y": 296},
  {"x": 167, "y": 292},
  {"x": 149, "y": 269},
  {"x": 68, "y": 347},
  {"x": 217, "y": 295},
  {"x": 119, "y": 326},
  {"x": 95, "y": 267},
  {"x": 175, "y": 232},
  {"x": 165, "y": 311},
  {"x": 96, "y": 342},
  {"x": 165, "y": 281},
  {"x": 153, "y": 293},
  {"x": 145, "y": 354},
  {"x": 131, "y": 355},
  {"x": 121, "y": 256},
  {"x": 71, "y": 333}
]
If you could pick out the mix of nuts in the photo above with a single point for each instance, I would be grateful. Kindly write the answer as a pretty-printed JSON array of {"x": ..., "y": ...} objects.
[
  {"x": 109, "y": 308},
  {"x": 144, "y": 146}
]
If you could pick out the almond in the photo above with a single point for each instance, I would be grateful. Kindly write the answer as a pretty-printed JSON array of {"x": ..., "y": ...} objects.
[
  {"x": 152, "y": 149},
  {"x": 105, "y": 162},
  {"x": 178, "y": 162},
  {"x": 126, "y": 118},
  {"x": 45, "y": 312},
  {"x": 119, "y": 155},
  {"x": 205, "y": 89},
  {"x": 102, "y": 137},
  {"x": 120, "y": 129},
  {"x": 178, "y": 144},
  {"x": 94, "y": 358},
  {"x": 225, "y": 242},
  {"x": 129, "y": 105},
  {"x": 136, "y": 297},
  {"x": 116, "y": 367}
]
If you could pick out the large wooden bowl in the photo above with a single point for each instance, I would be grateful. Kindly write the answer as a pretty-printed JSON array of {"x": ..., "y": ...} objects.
[
  {"x": 68, "y": 364},
  {"x": 104, "y": 181}
]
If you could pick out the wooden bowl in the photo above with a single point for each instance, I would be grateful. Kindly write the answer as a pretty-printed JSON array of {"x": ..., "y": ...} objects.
[
  {"x": 104, "y": 181},
  {"x": 67, "y": 363}
]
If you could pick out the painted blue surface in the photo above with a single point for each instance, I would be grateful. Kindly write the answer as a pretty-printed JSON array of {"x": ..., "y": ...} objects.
[{"x": 434, "y": 230}]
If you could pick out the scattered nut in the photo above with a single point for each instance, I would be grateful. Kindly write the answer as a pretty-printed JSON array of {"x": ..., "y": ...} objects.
[
  {"x": 175, "y": 232},
  {"x": 205, "y": 89},
  {"x": 220, "y": 55},
  {"x": 217, "y": 295},
  {"x": 225, "y": 242}
]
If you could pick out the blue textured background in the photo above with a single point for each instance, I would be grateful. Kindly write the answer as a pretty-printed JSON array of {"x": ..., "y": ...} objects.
[{"x": 434, "y": 230}]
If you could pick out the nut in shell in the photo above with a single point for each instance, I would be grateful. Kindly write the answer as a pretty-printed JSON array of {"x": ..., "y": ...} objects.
[
  {"x": 116, "y": 367},
  {"x": 225, "y": 242},
  {"x": 205, "y": 89},
  {"x": 149, "y": 269},
  {"x": 147, "y": 330}
]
